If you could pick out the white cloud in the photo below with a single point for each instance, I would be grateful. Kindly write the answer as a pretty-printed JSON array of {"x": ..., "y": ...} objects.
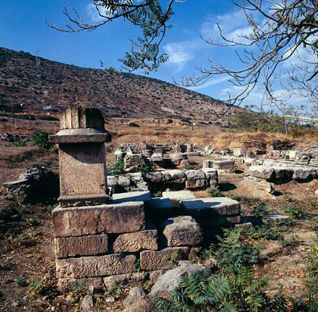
[
  {"x": 179, "y": 53},
  {"x": 95, "y": 13},
  {"x": 210, "y": 82}
]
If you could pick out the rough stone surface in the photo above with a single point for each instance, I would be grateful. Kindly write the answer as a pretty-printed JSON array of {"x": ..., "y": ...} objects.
[
  {"x": 223, "y": 164},
  {"x": 178, "y": 195},
  {"x": 133, "y": 162},
  {"x": 137, "y": 241},
  {"x": 140, "y": 196},
  {"x": 81, "y": 245},
  {"x": 169, "y": 281},
  {"x": 74, "y": 268},
  {"x": 136, "y": 277},
  {"x": 259, "y": 184},
  {"x": 210, "y": 207},
  {"x": 87, "y": 304},
  {"x": 117, "y": 218},
  {"x": 182, "y": 231},
  {"x": 164, "y": 259}
]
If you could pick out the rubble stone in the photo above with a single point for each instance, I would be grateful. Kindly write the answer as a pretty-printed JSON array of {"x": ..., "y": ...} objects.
[{"x": 182, "y": 231}]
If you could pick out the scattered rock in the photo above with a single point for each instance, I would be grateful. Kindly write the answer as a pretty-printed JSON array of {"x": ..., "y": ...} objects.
[
  {"x": 171, "y": 279},
  {"x": 87, "y": 304}
]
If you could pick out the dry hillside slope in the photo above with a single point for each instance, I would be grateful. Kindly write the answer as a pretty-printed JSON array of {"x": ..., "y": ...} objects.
[{"x": 36, "y": 83}]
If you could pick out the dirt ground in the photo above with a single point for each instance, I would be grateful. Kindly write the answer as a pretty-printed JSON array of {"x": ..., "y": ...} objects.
[{"x": 27, "y": 270}]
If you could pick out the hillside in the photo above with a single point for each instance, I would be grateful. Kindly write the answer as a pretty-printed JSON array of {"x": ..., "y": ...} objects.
[{"x": 39, "y": 84}]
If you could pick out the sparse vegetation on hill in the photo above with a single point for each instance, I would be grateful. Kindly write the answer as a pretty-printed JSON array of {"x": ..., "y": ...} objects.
[{"x": 39, "y": 84}]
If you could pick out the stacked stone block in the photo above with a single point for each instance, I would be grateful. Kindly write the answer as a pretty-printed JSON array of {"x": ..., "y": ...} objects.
[{"x": 98, "y": 239}]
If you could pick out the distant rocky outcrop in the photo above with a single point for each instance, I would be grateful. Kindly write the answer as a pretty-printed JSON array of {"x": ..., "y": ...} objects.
[{"x": 31, "y": 83}]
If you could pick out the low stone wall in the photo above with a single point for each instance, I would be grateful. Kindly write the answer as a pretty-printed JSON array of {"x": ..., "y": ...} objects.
[
  {"x": 188, "y": 179},
  {"x": 120, "y": 240}
]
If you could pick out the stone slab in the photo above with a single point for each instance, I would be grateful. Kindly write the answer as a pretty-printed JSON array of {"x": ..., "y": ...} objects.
[
  {"x": 113, "y": 218},
  {"x": 141, "y": 196},
  {"x": 137, "y": 241},
  {"x": 81, "y": 245},
  {"x": 178, "y": 195},
  {"x": 223, "y": 164},
  {"x": 95, "y": 266},
  {"x": 164, "y": 259},
  {"x": 210, "y": 207}
]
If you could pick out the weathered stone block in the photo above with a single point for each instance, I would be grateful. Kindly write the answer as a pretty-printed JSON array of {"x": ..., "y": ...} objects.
[
  {"x": 137, "y": 241},
  {"x": 164, "y": 259},
  {"x": 81, "y": 245},
  {"x": 74, "y": 268},
  {"x": 116, "y": 218},
  {"x": 211, "y": 207},
  {"x": 223, "y": 164},
  {"x": 182, "y": 231}
]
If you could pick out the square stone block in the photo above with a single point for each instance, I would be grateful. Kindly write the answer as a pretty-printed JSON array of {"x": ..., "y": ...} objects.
[
  {"x": 164, "y": 259},
  {"x": 82, "y": 169},
  {"x": 89, "y": 245},
  {"x": 95, "y": 266},
  {"x": 137, "y": 241},
  {"x": 88, "y": 220}
]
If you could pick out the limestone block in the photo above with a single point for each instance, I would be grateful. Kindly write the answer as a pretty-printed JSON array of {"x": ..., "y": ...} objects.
[
  {"x": 80, "y": 245},
  {"x": 193, "y": 175},
  {"x": 211, "y": 207},
  {"x": 95, "y": 266},
  {"x": 82, "y": 173},
  {"x": 223, "y": 164},
  {"x": 182, "y": 231},
  {"x": 115, "y": 218},
  {"x": 178, "y": 195},
  {"x": 207, "y": 163},
  {"x": 259, "y": 184},
  {"x": 137, "y": 241},
  {"x": 164, "y": 259}
]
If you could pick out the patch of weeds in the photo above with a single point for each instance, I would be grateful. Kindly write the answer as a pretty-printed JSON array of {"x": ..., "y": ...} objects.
[
  {"x": 288, "y": 197},
  {"x": 295, "y": 212},
  {"x": 214, "y": 191},
  {"x": 292, "y": 242},
  {"x": 263, "y": 232},
  {"x": 20, "y": 143},
  {"x": 260, "y": 211},
  {"x": 36, "y": 288},
  {"x": 234, "y": 253},
  {"x": 284, "y": 224},
  {"x": 174, "y": 257},
  {"x": 115, "y": 290},
  {"x": 41, "y": 138},
  {"x": 244, "y": 199},
  {"x": 21, "y": 281},
  {"x": 137, "y": 265},
  {"x": 78, "y": 288},
  {"x": 312, "y": 279},
  {"x": 6, "y": 267},
  {"x": 116, "y": 168}
]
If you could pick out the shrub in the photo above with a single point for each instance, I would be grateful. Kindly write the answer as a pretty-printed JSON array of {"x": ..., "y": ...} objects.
[
  {"x": 295, "y": 212},
  {"x": 260, "y": 211},
  {"x": 41, "y": 138},
  {"x": 234, "y": 253},
  {"x": 312, "y": 279},
  {"x": 116, "y": 168},
  {"x": 263, "y": 232}
]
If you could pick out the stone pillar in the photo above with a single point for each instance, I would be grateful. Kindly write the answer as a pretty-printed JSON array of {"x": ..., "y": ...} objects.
[{"x": 82, "y": 159}]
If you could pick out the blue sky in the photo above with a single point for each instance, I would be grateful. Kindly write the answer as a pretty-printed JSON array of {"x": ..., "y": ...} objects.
[{"x": 23, "y": 27}]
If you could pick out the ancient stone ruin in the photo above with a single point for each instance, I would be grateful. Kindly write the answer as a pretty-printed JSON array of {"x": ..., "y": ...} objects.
[{"x": 99, "y": 238}]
